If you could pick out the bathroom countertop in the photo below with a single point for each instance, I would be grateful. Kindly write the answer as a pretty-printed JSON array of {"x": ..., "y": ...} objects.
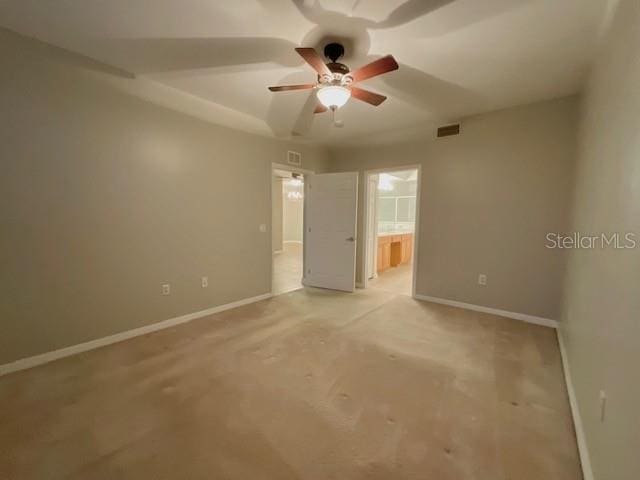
[{"x": 387, "y": 234}]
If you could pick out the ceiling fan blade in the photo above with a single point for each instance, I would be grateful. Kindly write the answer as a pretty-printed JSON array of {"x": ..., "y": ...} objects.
[
  {"x": 312, "y": 58},
  {"x": 284, "y": 88},
  {"x": 374, "y": 99},
  {"x": 320, "y": 108},
  {"x": 373, "y": 69}
]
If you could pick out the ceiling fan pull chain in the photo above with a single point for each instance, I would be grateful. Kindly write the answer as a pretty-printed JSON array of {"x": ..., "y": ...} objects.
[{"x": 337, "y": 122}]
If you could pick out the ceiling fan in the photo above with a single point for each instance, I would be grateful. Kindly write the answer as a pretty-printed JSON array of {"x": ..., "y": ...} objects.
[{"x": 336, "y": 83}]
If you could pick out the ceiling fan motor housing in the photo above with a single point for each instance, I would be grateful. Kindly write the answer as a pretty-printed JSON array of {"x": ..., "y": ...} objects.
[
  {"x": 333, "y": 51},
  {"x": 339, "y": 75},
  {"x": 340, "y": 68}
]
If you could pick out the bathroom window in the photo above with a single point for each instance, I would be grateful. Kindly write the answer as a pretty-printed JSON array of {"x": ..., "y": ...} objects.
[
  {"x": 405, "y": 209},
  {"x": 387, "y": 209},
  {"x": 396, "y": 214}
]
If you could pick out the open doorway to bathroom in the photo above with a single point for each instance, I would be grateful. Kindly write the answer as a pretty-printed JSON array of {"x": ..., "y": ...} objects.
[
  {"x": 287, "y": 229},
  {"x": 390, "y": 217}
]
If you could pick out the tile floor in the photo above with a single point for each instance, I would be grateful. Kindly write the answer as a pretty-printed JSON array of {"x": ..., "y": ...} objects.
[{"x": 287, "y": 268}]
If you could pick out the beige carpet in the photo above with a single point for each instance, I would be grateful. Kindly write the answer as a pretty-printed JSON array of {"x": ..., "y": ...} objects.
[{"x": 308, "y": 385}]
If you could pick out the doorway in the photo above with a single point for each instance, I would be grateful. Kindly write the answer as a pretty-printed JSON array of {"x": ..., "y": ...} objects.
[
  {"x": 287, "y": 228},
  {"x": 390, "y": 217}
]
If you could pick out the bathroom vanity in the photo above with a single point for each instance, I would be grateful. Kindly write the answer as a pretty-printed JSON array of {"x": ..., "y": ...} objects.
[{"x": 394, "y": 249}]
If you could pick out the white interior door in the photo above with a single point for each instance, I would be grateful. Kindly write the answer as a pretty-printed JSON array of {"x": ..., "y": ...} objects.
[{"x": 330, "y": 231}]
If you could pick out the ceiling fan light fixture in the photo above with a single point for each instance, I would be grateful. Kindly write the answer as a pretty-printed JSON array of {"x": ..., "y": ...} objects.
[{"x": 333, "y": 96}]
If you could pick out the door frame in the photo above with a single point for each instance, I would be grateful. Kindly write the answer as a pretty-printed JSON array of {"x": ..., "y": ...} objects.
[
  {"x": 365, "y": 219},
  {"x": 302, "y": 171},
  {"x": 370, "y": 179}
]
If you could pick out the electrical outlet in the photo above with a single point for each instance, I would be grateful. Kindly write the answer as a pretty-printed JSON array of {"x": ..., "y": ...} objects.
[
  {"x": 166, "y": 289},
  {"x": 603, "y": 405},
  {"x": 263, "y": 227},
  {"x": 482, "y": 279},
  {"x": 205, "y": 282}
]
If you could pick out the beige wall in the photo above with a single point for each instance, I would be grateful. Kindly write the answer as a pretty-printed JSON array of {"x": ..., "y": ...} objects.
[
  {"x": 105, "y": 197},
  {"x": 601, "y": 319},
  {"x": 489, "y": 197}
]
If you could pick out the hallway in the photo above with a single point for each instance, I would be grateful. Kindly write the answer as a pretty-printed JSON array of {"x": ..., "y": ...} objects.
[{"x": 287, "y": 268}]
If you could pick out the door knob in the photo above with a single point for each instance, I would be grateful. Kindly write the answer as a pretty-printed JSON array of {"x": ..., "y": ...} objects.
[{"x": 351, "y": 239}]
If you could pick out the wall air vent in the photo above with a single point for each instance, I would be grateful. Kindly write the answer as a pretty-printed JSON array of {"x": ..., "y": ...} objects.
[
  {"x": 294, "y": 158},
  {"x": 449, "y": 130}
]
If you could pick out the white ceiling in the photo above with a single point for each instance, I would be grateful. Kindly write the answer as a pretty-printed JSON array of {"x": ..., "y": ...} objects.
[{"x": 457, "y": 57}]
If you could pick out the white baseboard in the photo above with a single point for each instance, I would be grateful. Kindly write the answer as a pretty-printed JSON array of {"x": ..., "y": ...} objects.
[
  {"x": 47, "y": 357},
  {"x": 546, "y": 322},
  {"x": 292, "y": 241},
  {"x": 585, "y": 460}
]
